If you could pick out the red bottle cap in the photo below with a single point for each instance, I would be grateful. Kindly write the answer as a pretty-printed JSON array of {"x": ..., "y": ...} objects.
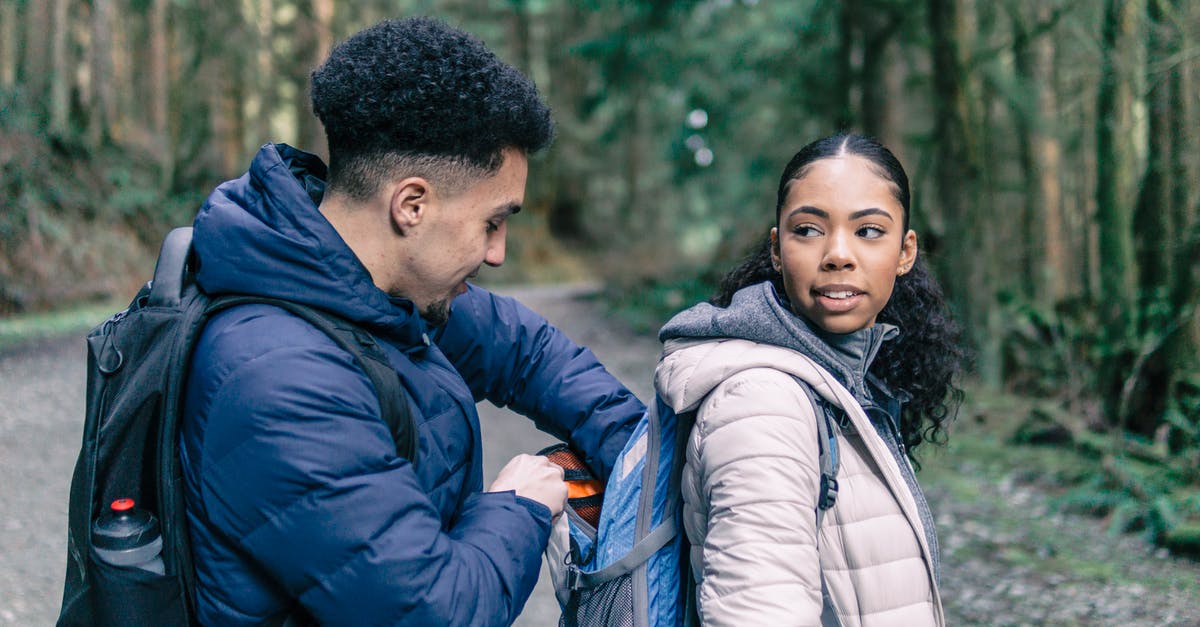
[{"x": 122, "y": 505}]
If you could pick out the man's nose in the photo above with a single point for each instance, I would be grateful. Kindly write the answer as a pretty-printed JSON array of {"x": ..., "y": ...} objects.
[{"x": 495, "y": 246}]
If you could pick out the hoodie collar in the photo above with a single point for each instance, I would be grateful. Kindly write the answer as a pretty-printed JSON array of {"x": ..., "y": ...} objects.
[{"x": 758, "y": 313}]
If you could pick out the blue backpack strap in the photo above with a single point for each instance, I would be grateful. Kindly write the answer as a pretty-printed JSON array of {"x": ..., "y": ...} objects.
[
  {"x": 649, "y": 545},
  {"x": 827, "y": 432}
]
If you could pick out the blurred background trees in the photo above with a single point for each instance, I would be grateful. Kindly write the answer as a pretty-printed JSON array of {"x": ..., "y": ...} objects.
[{"x": 1052, "y": 147}]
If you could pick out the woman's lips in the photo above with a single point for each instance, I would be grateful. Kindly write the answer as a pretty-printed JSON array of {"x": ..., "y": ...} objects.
[{"x": 838, "y": 298}]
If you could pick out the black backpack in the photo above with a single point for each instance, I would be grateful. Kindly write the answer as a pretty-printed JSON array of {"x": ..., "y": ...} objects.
[{"x": 137, "y": 368}]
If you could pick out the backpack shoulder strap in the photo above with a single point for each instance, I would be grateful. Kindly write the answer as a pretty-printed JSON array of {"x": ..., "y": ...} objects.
[
  {"x": 393, "y": 398},
  {"x": 827, "y": 432}
]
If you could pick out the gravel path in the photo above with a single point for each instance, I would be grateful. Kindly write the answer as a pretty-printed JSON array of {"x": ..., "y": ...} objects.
[{"x": 1007, "y": 560}]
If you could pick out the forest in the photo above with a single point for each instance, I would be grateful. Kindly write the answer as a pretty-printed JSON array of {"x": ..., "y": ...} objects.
[{"x": 1052, "y": 146}]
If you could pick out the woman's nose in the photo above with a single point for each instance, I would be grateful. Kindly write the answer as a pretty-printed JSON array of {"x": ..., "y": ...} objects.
[{"x": 838, "y": 255}]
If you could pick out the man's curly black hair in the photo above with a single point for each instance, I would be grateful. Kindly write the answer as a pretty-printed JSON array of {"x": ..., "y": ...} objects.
[
  {"x": 928, "y": 356},
  {"x": 423, "y": 96}
]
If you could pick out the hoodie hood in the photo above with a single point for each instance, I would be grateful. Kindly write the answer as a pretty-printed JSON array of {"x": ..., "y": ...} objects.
[
  {"x": 757, "y": 313},
  {"x": 262, "y": 235}
]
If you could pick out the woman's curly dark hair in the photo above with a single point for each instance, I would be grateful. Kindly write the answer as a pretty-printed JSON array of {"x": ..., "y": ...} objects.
[
  {"x": 417, "y": 87},
  {"x": 927, "y": 358}
]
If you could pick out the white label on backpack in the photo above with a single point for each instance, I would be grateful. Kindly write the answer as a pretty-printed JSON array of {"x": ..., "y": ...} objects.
[{"x": 636, "y": 453}]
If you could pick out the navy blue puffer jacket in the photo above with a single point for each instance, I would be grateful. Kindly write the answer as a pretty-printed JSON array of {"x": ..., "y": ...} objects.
[{"x": 294, "y": 489}]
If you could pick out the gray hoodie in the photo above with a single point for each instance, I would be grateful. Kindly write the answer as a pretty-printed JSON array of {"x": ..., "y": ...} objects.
[{"x": 759, "y": 314}]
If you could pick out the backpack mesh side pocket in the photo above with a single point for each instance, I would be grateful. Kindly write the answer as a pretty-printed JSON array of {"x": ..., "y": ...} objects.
[{"x": 609, "y": 604}]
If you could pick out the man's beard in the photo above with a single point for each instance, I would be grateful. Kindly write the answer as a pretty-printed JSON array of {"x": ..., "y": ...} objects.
[{"x": 437, "y": 313}]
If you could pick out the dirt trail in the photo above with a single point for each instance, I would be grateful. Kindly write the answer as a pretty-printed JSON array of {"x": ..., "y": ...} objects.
[{"x": 1007, "y": 560}]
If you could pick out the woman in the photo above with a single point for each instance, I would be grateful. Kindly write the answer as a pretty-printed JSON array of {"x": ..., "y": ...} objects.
[{"x": 836, "y": 313}]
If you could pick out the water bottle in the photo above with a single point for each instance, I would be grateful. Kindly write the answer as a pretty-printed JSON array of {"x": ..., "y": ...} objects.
[{"x": 128, "y": 536}]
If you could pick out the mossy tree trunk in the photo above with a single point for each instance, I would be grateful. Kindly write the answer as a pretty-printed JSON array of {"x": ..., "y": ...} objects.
[
  {"x": 959, "y": 181},
  {"x": 1116, "y": 189}
]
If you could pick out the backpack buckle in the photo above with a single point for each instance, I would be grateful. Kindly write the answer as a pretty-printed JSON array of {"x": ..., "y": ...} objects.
[
  {"x": 829, "y": 490},
  {"x": 572, "y": 578}
]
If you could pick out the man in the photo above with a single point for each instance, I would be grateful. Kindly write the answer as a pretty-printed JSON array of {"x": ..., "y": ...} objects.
[{"x": 297, "y": 501}]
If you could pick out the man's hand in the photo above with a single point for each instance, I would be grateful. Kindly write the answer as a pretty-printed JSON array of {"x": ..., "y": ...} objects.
[{"x": 534, "y": 477}]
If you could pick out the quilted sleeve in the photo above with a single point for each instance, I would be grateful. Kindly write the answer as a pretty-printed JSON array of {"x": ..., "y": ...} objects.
[
  {"x": 515, "y": 358},
  {"x": 757, "y": 461}
]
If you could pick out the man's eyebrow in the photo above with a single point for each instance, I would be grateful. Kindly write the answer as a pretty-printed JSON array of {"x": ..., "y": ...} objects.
[{"x": 820, "y": 213}]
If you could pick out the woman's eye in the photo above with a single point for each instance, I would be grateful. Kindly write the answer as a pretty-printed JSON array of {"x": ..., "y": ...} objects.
[
  {"x": 871, "y": 232},
  {"x": 806, "y": 230},
  {"x": 492, "y": 227}
]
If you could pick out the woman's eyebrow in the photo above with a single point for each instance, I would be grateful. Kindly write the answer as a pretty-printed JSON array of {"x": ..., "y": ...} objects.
[
  {"x": 873, "y": 211},
  {"x": 861, "y": 213},
  {"x": 820, "y": 213}
]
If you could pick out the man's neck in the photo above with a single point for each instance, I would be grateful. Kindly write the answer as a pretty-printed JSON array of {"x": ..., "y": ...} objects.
[{"x": 365, "y": 231}]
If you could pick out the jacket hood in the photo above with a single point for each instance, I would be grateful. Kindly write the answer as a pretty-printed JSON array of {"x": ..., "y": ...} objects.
[
  {"x": 758, "y": 314},
  {"x": 262, "y": 235}
]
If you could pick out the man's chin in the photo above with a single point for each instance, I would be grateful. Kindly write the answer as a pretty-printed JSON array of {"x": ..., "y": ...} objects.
[{"x": 437, "y": 313}]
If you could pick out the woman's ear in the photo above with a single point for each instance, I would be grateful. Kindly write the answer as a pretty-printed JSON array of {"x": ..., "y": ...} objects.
[
  {"x": 776, "y": 260},
  {"x": 908, "y": 253},
  {"x": 408, "y": 202}
]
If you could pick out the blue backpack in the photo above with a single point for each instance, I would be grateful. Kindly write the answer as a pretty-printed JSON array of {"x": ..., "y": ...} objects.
[{"x": 632, "y": 568}]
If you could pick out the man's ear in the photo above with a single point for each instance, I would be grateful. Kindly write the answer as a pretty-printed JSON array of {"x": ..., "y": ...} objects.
[{"x": 408, "y": 203}]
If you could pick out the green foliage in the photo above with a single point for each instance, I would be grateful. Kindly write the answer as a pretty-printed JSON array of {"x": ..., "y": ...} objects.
[
  {"x": 647, "y": 304},
  {"x": 83, "y": 226},
  {"x": 1119, "y": 479}
]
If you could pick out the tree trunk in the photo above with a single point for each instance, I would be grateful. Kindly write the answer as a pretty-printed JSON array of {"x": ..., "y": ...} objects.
[
  {"x": 60, "y": 73},
  {"x": 1117, "y": 162},
  {"x": 1185, "y": 162},
  {"x": 844, "y": 85},
  {"x": 1056, "y": 274},
  {"x": 567, "y": 198},
  {"x": 539, "y": 62},
  {"x": 312, "y": 135},
  {"x": 1154, "y": 231},
  {"x": 160, "y": 90},
  {"x": 101, "y": 116},
  {"x": 519, "y": 12},
  {"x": 1045, "y": 267},
  {"x": 264, "y": 71},
  {"x": 879, "y": 27},
  {"x": 10, "y": 43},
  {"x": 35, "y": 55},
  {"x": 957, "y": 178},
  {"x": 892, "y": 122},
  {"x": 120, "y": 59},
  {"x": 1184, "y": 356}
]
